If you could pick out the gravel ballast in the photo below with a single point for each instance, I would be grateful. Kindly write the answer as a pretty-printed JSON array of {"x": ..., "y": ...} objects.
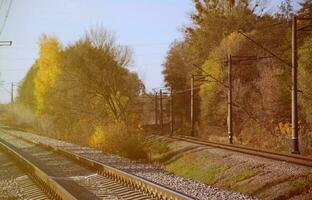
[{"x": 192, "y": 188}]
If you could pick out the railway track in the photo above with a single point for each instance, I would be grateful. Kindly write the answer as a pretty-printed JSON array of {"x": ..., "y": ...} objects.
[
  {"x": 70, "y": 176},
  {"x": 290, "y": 158},
  {"x": 17, "y": 183}
]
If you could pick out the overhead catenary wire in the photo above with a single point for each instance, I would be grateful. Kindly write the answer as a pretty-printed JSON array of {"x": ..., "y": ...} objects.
[
  {"x": 265, "y": 27},
  {"x": 6, "y": 17},
  {"x": 264, "y": 48},
  {"x": 211, "y": 76}
]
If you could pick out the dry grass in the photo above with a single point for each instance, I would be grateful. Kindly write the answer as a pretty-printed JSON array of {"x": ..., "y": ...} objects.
[{"x": 20, "y": 117}]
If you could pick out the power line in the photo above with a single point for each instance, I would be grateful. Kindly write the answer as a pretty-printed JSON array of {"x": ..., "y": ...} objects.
[
  {"x": 210, "y": 76},
  {"x": 264, "y": 48},
  {"x": 265, "y": 27},
  {"x": 6, "y": 17}
]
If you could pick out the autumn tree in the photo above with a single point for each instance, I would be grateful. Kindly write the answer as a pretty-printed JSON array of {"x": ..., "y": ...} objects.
[
  {"x": 261, "y": 87},
  {"x": 83, "y": 85},
  {"x": 95, "y": 71},
  {"x": 211, "y": 22},
  {"x": 48, "y": 68}
]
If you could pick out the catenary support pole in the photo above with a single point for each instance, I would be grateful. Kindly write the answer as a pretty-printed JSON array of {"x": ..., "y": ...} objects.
[
  {"x": 161, "y": 111},
  {"x": 171, "y": 113},
  {"x": 156, "y": 108},
  {"x": 229, "y": 101},
  {"x": 294, "y": 104},
  {"x": 12, "y": 95},
  {"x": 192, "y": 106}
]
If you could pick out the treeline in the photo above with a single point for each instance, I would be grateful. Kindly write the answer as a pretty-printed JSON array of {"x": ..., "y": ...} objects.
[
  {"x": 85, "y": 93},
  {"x": 261, "y": 88},
  {"x": 85, "y": 89}
]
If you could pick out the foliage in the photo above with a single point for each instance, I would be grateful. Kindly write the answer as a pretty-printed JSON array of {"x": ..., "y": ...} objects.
[
  {"x": 176, "y": 73},
  {"x": 97, "y": 139},
  {"x": 84, "y": 86},
  {"x": 95, "y": 83},
  {"x": 26, "y": 90},
  {"x": 305, "y": 83},
  {"x": 261, "y": 88},
  {"x": 118, "y": 139},
  {"x": 48, "y": 69}
]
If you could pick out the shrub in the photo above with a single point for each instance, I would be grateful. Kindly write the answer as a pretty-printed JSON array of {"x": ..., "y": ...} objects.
[
  {"x": 119, "y": 139},
  {"x": 97, "y": 139}
]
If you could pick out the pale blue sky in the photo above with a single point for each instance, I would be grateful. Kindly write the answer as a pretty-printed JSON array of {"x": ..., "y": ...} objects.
[{"x": 147, "y": 26}]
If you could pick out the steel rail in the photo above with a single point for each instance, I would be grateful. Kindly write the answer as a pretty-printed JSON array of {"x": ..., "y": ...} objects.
[
  {"x": 290, "y": 158},
  {"x": 55, "y": 190},
  {"x": 18, "y": 179},
  {"x": 137, "y": 183}
]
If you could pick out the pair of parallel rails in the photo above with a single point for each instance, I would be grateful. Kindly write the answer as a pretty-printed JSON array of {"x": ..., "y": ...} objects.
[
  {"x": 108, "y": 180},
  {"x": 289, "y": 158},
  {"x": 15, "y": 183}
]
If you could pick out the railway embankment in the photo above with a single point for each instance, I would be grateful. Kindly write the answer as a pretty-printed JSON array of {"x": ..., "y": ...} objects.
[{"x": 252, "y": 175}]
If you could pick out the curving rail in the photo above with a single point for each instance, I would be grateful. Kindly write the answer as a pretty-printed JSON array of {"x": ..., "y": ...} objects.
[{"x": 290, "y": 158}]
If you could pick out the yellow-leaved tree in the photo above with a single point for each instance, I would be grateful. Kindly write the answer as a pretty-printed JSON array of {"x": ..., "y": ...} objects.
[{"x": 48, "y": 69}]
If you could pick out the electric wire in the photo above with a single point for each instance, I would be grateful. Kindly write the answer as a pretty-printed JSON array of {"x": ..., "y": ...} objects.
[
  {"x": 6, "y": 17},
  {"x": 264, "y": 48}
]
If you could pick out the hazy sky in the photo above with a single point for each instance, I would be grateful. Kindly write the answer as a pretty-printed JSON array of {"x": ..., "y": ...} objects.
[{"x": 147, "y": 26}]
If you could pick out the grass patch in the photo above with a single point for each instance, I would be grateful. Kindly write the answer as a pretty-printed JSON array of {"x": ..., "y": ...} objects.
[
  {"x": 195, "y": 169},
  {"x": 240, "y": 176},
  {"x": 157, "y": 149},
  {"x": 214, "y": 173}
]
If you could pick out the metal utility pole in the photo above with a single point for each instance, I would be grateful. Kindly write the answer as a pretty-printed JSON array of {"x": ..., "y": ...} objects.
[
  {"x": 294, "y": 77},
  {"x": 294, "y": 106},
  {"x": 12, "y": 95},
  {"x": 229, "y": 101},
  {"x": 156, "y": 109},
  {"x": 161, "y": 112},
  {"x": 171, "y": 113},
  {"x": 192, "y": 106}
]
